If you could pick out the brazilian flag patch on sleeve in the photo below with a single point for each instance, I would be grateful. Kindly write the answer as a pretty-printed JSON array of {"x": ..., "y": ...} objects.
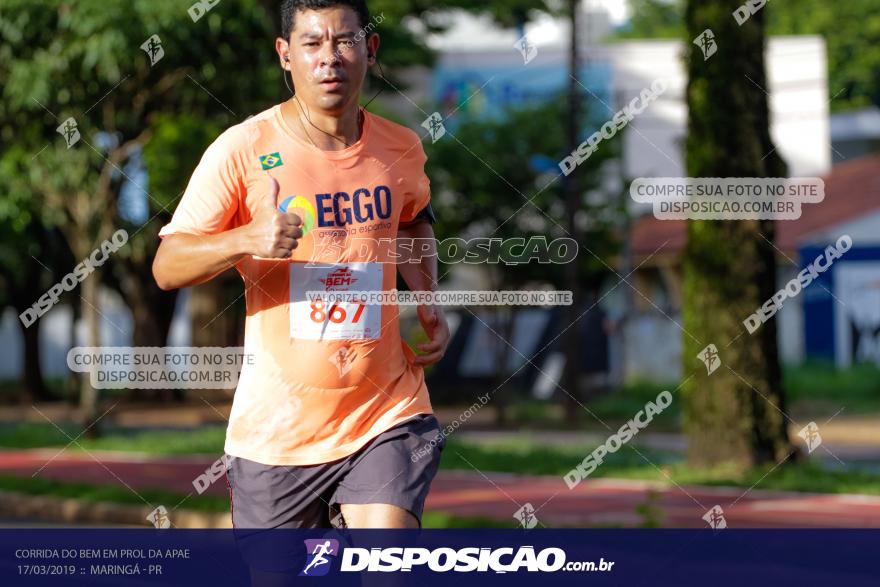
[{"x": 271, "y": 161}]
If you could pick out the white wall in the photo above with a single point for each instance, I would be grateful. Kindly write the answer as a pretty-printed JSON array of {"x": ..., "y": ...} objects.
[{"x": 798, "y": 87}]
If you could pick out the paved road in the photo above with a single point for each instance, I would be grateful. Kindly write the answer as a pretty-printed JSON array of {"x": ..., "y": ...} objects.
[{"x": 499, "y": 495}]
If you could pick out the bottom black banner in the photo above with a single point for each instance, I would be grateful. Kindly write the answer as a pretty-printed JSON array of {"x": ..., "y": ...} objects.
[{"x": 439, "y": 557}]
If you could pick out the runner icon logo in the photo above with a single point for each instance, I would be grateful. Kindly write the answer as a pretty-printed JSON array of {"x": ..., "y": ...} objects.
[
  {"x": 321, "y": 552},
  {"x": 715, "y": 518},
  {"x": 710, "y": 358}
]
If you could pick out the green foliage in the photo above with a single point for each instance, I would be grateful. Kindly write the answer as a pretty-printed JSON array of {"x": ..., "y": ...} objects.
[
  {"x": 482, "y": 181},
  {"x": 177, "y": 144},
  {"x": 851, "y": 31},
  {"x": 60, "y": 58},
  {"x": 82, "y": 60},
  {"x": 653, "y": 19}
]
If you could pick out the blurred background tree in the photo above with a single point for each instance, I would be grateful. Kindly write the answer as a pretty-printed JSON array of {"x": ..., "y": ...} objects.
[
  {"x": 81, "y": 60},
  {"x": 143, "y": 126},
  {"x": 492, "y": 201},
  {"x": 736, "y": 414}
]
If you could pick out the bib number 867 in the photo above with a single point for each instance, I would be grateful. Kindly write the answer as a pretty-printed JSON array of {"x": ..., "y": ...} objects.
[{"x": 336, "y": 313}]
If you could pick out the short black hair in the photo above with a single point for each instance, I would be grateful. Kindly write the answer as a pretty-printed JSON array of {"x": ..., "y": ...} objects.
[{"x": 289, "y": 8}]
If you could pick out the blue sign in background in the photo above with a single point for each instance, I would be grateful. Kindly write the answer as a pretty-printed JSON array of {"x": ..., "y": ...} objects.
[
  {"x": 820, "y": 335},
  {"x": 806, "y": 558},
  {"x": 486, "y": 90}
]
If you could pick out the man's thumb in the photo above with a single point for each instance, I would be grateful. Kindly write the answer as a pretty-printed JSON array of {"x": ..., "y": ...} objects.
[{"x": 271, "y": 198}]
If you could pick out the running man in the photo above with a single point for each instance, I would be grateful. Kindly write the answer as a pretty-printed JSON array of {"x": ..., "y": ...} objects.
[
  {"x": 329, "y": 416},
  {"x": 320, "y": 559}
]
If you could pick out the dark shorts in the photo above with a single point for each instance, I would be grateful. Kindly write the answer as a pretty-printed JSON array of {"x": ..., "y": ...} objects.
[{"x": 396, "y": 468}]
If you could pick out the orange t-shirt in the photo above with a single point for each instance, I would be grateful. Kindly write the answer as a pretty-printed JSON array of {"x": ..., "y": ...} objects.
[{"x": 324, "y": 381}]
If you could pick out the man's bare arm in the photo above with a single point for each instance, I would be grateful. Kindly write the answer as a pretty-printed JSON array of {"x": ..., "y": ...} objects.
[
  {"x": 422, "y": 276},
  {"x": 185, "y": 259}
]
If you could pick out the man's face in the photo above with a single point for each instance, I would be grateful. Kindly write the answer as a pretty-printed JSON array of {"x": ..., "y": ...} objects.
[{"x": 328, "y": 57}]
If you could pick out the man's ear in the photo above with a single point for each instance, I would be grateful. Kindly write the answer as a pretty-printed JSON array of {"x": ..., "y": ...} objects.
[
  {"x": 372, "y": 48},
  {"x": 282, "y": 48}
]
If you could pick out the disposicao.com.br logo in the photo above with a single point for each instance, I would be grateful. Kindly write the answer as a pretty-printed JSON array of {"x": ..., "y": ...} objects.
[{"x": 443, "y": 559}]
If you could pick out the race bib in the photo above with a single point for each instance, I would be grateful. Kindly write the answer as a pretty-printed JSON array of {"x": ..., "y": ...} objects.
[{"x": 317, "y": 319}]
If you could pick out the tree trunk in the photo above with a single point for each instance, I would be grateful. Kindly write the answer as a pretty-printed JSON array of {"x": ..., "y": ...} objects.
[
  {"x": 72, "y": 383},
  {"x": 735, "y": 414},
  {"x": 32, "y": 381},
  {"x": 506, "y": 317},
  {"x": 152, "y": 311},
  {"x": 88, "y": 393},
  {"x": 32, "y": 375},
  {"x": 209, "y": 313},
  {"x": 570, "y": 339}
]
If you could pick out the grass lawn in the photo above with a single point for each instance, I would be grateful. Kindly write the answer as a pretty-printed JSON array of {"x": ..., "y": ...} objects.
[
  {"x": 512, "y": 457},
  {"x": 814, "y": 388},
  {"x": 517, "y": 457},
  {"x": 819, "y": 388},
  {"x": 111, "y": 493},
  {"x": 613, "y": 408},
  {"x": 203, "y": 503},
  {"x": 205, "y": 440}
]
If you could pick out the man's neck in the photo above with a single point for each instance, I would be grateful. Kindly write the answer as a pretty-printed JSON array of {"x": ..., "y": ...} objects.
[{"x": 325, "y": 131}]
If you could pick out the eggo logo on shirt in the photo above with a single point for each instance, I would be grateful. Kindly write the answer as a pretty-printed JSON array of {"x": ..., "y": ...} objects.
[{"x": 342, "y": 208}]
